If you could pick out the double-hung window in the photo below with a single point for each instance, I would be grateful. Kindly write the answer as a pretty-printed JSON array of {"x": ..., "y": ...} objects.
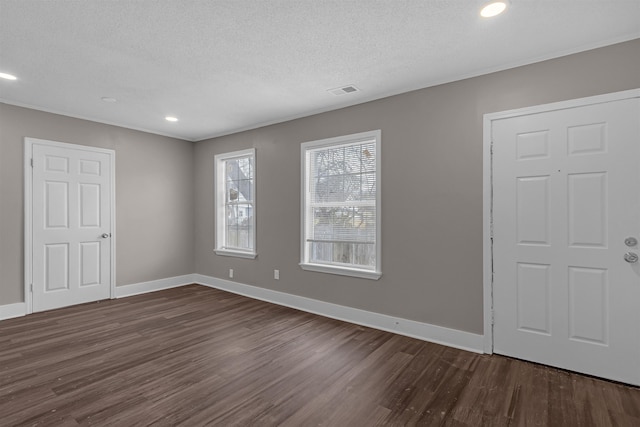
[
  {"x": 235, "y": 179},
  {"x": 341, "y": 205}
]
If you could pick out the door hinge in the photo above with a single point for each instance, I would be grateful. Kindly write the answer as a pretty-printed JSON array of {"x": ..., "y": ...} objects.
[
  {"x": 31, "y": 162},
  {"x": 493, "y": 317},
  {"x": 31, "y": 288}
]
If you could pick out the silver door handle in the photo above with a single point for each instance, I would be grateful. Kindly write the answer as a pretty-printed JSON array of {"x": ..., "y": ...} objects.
[
  {"x": 105, "y": 235},
  {"x": 631, "y": 257}
]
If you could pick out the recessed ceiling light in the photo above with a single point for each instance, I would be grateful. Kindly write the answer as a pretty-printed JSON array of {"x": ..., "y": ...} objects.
[
  {"x": 493, "y": 9},
  {"x": 108, "y": 99},
  {"x": 8, "y": 76},
  {"x": 171, "y": 119}
]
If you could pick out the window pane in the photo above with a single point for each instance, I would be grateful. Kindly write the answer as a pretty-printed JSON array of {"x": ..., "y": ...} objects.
[
  {"x": 245, "y": 171},
  {"x": 342, "y": 223},
  {"x": 232, "y": 169},
  {"x": 232, "y": 236},
  {"x": 368, "y": 186},
  {"x": 365, "y": 224},
  {"x": 342, "y": 253},
  {"x": 250, "y": 236},
  {"x": 335, "y": 188},
  {"x": 335, "y": 165},
  {"x": 232, "y": 192},
  {"x": 243, "y": 237},
  {"x": 321, "y": 253},
  {"x": 364, "y": 255},
  {"x": 244, "y": 188},
  {"x": 368, "y": 157},
  {"x": 321, "y": 187},
  {"x": 231, "y": 215}
]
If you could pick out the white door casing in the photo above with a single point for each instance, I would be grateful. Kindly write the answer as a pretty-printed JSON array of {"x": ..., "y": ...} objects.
[
  {"x": 69, "y": 224},
  {"x": 566, "y": 195}
]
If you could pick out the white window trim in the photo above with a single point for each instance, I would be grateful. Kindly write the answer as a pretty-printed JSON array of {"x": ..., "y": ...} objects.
[
  {"x": 333, "y": 269},
  {"x": 219, "y": 200}
]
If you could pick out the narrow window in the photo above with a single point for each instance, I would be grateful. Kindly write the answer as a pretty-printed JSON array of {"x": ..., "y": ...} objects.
[
  {"x": 235, "y": 203},
  {"x": 341, "y": 205}
]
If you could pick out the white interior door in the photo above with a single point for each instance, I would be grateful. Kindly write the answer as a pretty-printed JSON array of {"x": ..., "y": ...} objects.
[
  {"x": 71, "y": 224},
  {"x": 566, "y": 210}
]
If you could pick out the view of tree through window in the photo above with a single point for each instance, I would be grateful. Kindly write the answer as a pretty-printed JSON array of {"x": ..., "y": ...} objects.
[
  {"x": 340, "y": 206},
  {"x": 235, "y": 204}
]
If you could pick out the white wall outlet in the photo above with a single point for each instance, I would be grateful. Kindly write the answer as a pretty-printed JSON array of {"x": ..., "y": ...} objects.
[
  {"x": 231, "y": 273},
  {"x": 276, "y": 274}
]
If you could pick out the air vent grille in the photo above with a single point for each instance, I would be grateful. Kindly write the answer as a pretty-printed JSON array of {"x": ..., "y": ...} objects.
[{"x": 343, "y": 90}]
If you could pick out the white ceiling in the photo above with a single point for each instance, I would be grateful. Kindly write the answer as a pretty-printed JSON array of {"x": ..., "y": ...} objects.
[{"x": 224, "y": 66}]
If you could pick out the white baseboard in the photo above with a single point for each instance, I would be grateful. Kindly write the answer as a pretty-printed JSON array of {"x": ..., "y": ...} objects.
[
  {"x": 154, "y": 285},
  {"x": 18, "y": 309},
  {"x": 423, "y": 331},
  {"x": 9, "y": 311}
]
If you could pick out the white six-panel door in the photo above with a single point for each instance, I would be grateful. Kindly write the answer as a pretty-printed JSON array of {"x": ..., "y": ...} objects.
[
  {"x": 566, "y": 210},
  {"x": 71, "y": 224}
]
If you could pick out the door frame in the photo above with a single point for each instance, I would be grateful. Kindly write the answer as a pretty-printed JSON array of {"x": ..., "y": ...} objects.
[
  {"x": 28, "y": 211},
  {"x": 487, "y": 189}
]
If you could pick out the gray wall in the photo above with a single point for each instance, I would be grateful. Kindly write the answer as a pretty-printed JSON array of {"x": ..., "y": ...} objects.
[
  {"x": 154, "y": 196},
  {"x": 431, "y": 190},
  {"x": 431, "y": 187}
]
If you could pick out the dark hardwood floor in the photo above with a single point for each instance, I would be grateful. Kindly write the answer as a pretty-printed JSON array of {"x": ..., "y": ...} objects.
[{"x": 197, "y": 356}]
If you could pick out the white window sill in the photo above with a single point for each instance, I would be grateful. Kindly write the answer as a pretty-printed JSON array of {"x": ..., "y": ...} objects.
[
  {"x": 363, "y": 274},
  {"x": 238, "y": 254}
]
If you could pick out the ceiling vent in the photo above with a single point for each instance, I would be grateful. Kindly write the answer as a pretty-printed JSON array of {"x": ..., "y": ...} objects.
[{"x": 344, "y": 90}]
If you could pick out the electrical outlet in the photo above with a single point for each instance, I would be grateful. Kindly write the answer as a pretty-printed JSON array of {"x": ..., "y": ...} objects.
[
  {"x": 231, "y": 273},
  {"x": 276, "y": 274}
]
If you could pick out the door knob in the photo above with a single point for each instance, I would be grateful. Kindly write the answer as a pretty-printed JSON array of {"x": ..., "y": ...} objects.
[
  {"x": 630, "y": 241},
  {"x": 105, "y": 235},
  {"x": 631, "y": 257}
]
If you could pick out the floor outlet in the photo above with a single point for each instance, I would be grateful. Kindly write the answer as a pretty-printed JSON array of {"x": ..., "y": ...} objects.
[
  {"x": 276, "y": 274},
  {"x": 231, "y": 273}
]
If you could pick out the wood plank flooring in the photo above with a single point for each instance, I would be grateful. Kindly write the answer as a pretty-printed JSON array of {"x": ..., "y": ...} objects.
[{"x": 195, "y": 356}]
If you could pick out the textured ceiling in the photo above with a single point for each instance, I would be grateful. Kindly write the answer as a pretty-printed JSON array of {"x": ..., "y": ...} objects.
[{"x": 224, "y": 66}]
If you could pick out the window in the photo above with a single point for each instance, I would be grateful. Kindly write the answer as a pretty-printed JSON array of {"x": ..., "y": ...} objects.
[
  {"x": 341, "y": 205},
  {"x": 235, "y": 203}
]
